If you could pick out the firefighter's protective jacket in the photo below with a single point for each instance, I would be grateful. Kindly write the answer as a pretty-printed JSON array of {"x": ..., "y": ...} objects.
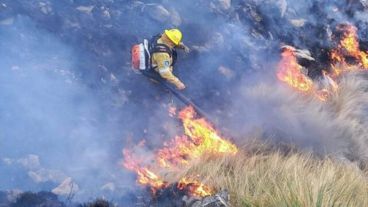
[{"x": 162, "y": 64}]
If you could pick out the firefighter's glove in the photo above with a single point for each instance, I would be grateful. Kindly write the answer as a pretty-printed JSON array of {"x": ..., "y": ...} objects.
[
  {"x": 180, "y": 86},
  {"x": 186, "y": 49}
]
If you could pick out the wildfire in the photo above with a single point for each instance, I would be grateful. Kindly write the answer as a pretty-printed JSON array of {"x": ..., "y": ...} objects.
[
  {"x": 346, "y": 57},
  {"x": 348, "y": 48},
  {"x": 200, "y": 138},
  {"x": 291, "y": 72},
  {"x": 195, "y": 187},
  {"x": 144, "y": 175}
]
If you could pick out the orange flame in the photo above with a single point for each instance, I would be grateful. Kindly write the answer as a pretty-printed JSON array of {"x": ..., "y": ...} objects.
[
  {"x": 200, "y": 138},
  {"x": 346, "y": 57},
  {"x": 348, "y": 47},
  {"x": 144, "y": 175},
  {"x": 290, "y": 72},
  {"x": 195, "y": 187}
]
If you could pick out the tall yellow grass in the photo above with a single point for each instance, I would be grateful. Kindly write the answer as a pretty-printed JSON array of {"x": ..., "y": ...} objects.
[{"x": 277, "y": 180}]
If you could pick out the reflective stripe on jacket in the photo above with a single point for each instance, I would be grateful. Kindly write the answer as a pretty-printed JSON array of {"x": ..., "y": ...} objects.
[{"x": 161, "y": 63}]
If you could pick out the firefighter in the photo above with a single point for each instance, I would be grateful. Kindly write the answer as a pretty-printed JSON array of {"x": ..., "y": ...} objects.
[{"x": 163, "y": 55}]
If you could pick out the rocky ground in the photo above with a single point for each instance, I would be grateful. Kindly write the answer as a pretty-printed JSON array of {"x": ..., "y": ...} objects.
[
  {"x": 105, "y": 30},
  {"x": 228, "y": 38}
]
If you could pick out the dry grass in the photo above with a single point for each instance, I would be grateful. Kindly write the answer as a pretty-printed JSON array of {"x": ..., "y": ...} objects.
[{"x": 277, "y": 180}]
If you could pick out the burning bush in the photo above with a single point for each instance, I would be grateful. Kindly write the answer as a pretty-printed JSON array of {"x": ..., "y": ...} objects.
[{"x": 200, "y": 138}]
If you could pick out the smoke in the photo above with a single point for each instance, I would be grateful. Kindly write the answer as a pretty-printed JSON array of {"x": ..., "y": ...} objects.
[
  {"x": 350, "y": 110},
  {"x": 49, "y": 115},
  {"x": 262, "y": 104},
  {"x": 336, "y": 127},
  {"x": 70, "y": 102},
  {"x": 68, "y": 109}
]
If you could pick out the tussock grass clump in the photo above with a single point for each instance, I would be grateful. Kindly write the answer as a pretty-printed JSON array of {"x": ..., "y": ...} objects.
[{"x": 276, "y": 179}]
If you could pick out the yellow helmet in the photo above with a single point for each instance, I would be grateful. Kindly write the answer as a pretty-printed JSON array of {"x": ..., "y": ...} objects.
[{"x": 174, "y": 35}]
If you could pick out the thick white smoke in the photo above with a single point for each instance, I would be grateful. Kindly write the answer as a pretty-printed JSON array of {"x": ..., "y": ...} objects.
[
  {"x": 52, "y": 126},
  {"x": 336, "y": 127}
]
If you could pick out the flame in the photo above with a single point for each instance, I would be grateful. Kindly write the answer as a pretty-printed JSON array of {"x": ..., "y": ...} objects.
[
  {"x": 206, "y": 138},
  {"x": 199, "y": 138},
  {"x": 195, "y": 187},
  {"x": 348, "y": 46},
  {"x": 144, "y": 175},
  {"x": 346, "y": 57},
  {"x": 290, "y": 72}
]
